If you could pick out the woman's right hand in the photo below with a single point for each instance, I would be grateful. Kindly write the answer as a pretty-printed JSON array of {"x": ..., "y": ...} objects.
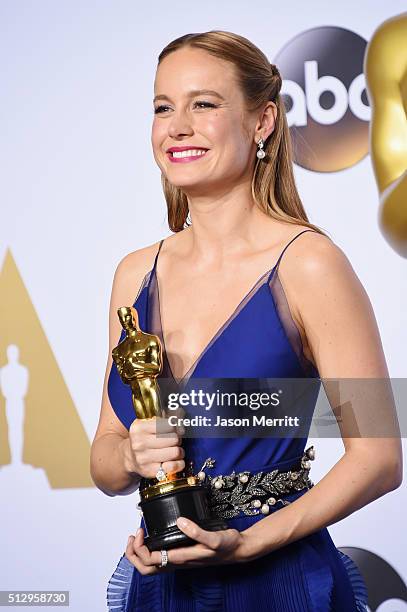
[{"x": 148, "y": 447}]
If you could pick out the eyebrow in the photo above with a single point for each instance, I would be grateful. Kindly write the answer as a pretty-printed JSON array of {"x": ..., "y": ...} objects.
[{"x": 192, "y": 94}]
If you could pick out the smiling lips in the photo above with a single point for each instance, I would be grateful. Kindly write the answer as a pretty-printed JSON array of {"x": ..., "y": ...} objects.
[{"x": 185, "y": 155}]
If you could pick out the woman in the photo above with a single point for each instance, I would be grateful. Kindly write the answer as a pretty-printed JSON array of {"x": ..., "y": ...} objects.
[{"x": 248, "y": 288}]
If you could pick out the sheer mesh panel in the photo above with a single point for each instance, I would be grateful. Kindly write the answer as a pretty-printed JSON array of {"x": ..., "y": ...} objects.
[
  {"x": 155, "y": 325},
  {"x": 144, "y": 283},
  {"x": 282, "y": 308},
  {"x": 290, "y": 327},
  {"x": 154, "y": 320},
  {"x": 280, "y": 301}
]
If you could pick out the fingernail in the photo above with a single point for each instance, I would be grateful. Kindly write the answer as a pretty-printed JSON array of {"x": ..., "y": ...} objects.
[
  {"x": 182, "y": 522},
  {"x": 138, "y": 531}
]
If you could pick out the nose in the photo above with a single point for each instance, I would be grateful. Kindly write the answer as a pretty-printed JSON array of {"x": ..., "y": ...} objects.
[{"x": 179, "y": 125}]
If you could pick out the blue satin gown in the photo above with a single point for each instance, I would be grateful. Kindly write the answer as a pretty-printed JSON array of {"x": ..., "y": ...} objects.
[{"x": 308, "y": 575}]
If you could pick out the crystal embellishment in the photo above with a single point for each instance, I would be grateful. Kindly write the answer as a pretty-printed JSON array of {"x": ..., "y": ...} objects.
[
  {"x": 161, "y": 475},
  {"x": 231, "y": 495}
]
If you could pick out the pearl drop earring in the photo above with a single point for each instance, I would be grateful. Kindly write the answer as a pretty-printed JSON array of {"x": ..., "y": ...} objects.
[{"x": 260, "y": 153}]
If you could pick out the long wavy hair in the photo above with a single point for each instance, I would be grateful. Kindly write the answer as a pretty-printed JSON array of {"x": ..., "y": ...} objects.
[{"x": 273, "y": 185}]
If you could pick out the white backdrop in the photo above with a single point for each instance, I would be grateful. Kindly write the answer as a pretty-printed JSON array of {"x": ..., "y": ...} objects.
[{"x": 76, "y": 160}]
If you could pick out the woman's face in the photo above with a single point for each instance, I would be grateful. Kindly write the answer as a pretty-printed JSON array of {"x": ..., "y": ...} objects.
[{"x": 184, "y": 118}]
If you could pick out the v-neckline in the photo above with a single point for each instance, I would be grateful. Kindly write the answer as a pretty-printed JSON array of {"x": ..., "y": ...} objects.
[{"x": 218, "y": 333}]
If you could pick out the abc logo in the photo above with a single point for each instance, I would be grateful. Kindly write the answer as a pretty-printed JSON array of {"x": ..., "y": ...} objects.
[{"x": 325, "y": 96}]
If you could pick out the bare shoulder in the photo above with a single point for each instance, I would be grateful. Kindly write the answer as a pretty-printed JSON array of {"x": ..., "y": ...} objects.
[
  {"x": 138, "y": 262},
  {"x": 331, "y": 308},
  {"x": 315, "y": 260},
  {"x": 128, "y": 279},
  {"x": 132, "y": 269},
  {"x": 315, "y": 273}
]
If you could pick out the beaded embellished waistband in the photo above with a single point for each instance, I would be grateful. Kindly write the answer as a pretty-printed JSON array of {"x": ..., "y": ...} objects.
[{"x": 254, "y": 493}]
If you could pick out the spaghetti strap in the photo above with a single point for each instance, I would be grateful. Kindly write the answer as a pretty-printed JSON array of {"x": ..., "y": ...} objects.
[
  {"x": 286, "y": 246},
  {"x": 156, "y": 257}
]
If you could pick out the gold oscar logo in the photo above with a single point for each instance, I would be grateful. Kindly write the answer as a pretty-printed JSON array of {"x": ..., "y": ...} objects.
[
  {"x": 39, "y": 424},
  {"x": 385, "y": 67}
]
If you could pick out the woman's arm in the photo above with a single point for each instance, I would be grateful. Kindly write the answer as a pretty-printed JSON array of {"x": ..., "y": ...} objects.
[
  {"x": 110, "y": 465},
  {"x": 342, "y": 333},
  {"x": 110, "y": 457}
]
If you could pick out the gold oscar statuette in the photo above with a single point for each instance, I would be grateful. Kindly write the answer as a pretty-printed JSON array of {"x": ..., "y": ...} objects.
[{"x": 138, "y": 358}]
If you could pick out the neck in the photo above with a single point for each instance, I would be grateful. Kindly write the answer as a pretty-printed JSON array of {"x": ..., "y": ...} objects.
[{"x": 226, "y": 226}]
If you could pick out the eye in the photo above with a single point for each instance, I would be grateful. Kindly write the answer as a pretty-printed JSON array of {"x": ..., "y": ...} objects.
[
  {"x": 206, "y": 104},
  {"x": 161, "y": 108}
]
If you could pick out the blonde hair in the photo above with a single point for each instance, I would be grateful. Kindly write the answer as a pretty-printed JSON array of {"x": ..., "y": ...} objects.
[{"x": 273, "y": 184}]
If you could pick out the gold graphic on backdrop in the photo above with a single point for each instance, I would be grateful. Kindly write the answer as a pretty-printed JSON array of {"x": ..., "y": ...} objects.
[
  {"x": 53, "y": 437},
  {"x": 386, "y": 78}
]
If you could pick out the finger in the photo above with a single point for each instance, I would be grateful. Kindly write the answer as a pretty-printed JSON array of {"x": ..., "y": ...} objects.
[
  {"x": 211, "y": 539},
  {"x": 142, "y": 426},
  {"x": 199, "y": 554},
  {"x": 153, "y": 441},
  {"x": 162, "y": 427},
  {"x": 153, "y": 425},
  {"x": 180, "y": 414},
  {"x": 160, "y": 455},
  {"x": 133, "y": 558},
  {"x": 173, "y": 467},
  {"x": 155, "y": 428},
  {"x": 173, "y": 423},
  {"x": 146, "y": 557},
  {"x": 170, "y": 467}
]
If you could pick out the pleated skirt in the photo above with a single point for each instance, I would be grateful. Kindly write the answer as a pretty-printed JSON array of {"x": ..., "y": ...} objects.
[{"x": 308, "y": 575}]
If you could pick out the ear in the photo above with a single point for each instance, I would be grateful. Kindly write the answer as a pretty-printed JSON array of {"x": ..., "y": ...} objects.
[{"x": 266, "y": 122}]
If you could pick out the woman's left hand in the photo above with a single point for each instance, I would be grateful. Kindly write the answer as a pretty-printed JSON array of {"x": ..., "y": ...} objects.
[{"x": 213, "y": 548}]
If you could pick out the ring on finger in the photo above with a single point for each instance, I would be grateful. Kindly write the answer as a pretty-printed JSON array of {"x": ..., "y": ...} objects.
[
  {"x": 164, "y": 558},
  {"x": 161, "y": 474}
]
